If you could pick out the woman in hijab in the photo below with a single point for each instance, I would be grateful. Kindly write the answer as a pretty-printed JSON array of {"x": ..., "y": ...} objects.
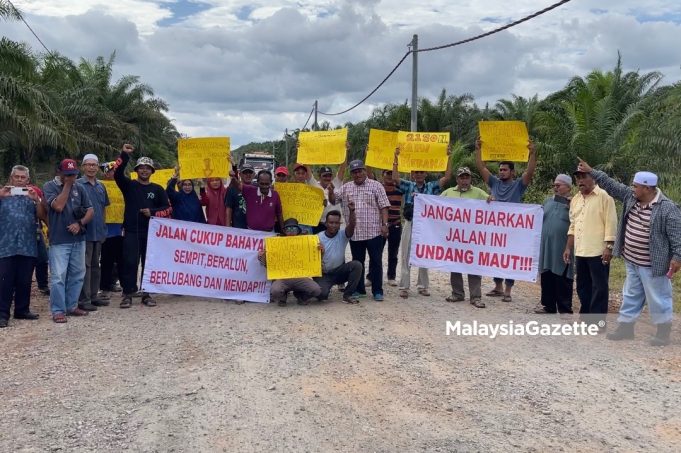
[
  {"x": 186, "y": 204},
  {"x": 213, "y": 198}
]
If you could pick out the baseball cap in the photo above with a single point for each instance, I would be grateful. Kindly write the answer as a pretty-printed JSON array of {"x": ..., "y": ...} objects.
[
  {"x": 299, "y": 165},
  {"x": 463, "y": 171},
  {"x": 292, "y": 223},
  {"x": 68, "y": 167},
  {"x": 325, "y": 171},
  {"x": 356, "y": 164},
  {"x": 645, "y": 178},
  {"x": 280, "y": 170},
  {"x": 145, "y": 161},
  {"x": 247, "y": 167}
]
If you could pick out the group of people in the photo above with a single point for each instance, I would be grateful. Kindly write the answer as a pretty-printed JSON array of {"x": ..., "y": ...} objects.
[{"x": 580, "y": 234}]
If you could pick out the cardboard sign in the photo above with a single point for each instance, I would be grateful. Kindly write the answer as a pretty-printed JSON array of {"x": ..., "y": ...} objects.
[
  {"x": 203, "y": 157},
  {"x": 159, "y": 177},
  {"x": 322, "y": 147},
  {"x": 426, "y": 151},
  {"x": 114, "y": 212},
  {"x": 300, "y": 201},
  {"x": 504, "y": 140},
  {"x": 293, "y": 257}
]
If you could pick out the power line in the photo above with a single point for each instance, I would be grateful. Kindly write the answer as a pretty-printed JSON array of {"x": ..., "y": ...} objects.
[
  {"x": 444, "y": 46},
  {"x": 21, "y": 17},
  {"x": 308, "y": 118}
]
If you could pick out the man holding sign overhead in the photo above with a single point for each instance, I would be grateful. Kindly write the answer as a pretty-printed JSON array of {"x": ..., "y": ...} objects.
[{"x": 505, "y": 187}]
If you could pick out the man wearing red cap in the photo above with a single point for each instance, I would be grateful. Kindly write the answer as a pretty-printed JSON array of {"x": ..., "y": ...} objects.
[
  {"x": 69, "y": 211},
  {"x": 281, "y": 175}
]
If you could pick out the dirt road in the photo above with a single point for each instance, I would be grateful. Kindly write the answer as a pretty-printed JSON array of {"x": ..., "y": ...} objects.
[{"x": 207, "y": 375}]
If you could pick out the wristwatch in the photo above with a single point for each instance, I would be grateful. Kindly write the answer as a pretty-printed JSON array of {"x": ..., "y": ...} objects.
[{"x": 609, "y": 246}]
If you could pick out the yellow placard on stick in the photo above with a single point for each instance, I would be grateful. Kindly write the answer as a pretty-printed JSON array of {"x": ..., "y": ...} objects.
[
  {"x": 322, "y": 147},
  {"x": 504, "y": 140},
  {"x": 424, "y": 151},
  {"x": 293, "y": 257},
  {"x": 302, "y": 202},
  {"x": 381, "y": 149},
  {"x": 114, "y": 212},
  {"x": 203, "y": 157},
  {"x": 159, "y": 177}
]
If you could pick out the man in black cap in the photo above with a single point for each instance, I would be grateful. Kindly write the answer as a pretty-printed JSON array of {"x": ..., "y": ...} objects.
[
  {"x": 235, "y": 204},
  {"x": 326, "y": 179},
  {"x": 371, "y": 204},
  {"x": 303, "y": 288}
]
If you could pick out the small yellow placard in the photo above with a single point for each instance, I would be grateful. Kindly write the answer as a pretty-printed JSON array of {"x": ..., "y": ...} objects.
[
  {"x": 114, "y": 212},
  {"x": 203, "y": 157},
  {"x": 424, "y": 151},
  {"x": 322, "y": 147},
  {"x": 504, "y": 140},
  {"x": 293, "y": 257},
  {"x": 381, "y": 150},
  {"x": 159, "y": 177},
  {"x": 302, "y": 202}
]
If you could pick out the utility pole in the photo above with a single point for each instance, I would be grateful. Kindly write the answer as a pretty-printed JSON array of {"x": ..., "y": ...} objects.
[
  {"x": 315, "y": 126},
  {"x": 286, "y": 144},
  {"x": 414, "y": 81}
]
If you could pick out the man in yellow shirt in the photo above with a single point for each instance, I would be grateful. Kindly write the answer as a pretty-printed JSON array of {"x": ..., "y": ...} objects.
[{"x": 592, "y": 231}]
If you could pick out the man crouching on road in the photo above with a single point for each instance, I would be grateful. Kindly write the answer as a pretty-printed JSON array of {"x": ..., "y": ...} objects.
[{"x": 334, "y": 268}]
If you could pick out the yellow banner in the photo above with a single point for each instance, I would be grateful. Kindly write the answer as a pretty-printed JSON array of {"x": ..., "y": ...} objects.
[
  {"x": 504, "y": 140},
  {"x": 114, "y": 212},
  {"x": 293, "y": 257},
  {"x": 301, "y": 202},
  {"x": 381, "y": 150},
  {"x": 425, "y": 151},
  {"x": 159, "y": 177},
  {"x": 203, "y": 157},
  {"x": 322, "y": 147}
]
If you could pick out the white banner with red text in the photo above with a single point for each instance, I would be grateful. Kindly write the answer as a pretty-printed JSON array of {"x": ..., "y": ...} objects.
[
  {"x": 475, "y": 237},
  {"x": 195, "y": 259}
]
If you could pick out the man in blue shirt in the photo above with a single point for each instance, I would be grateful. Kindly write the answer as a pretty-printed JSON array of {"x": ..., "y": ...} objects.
[
  {"x": 506, "y": 188},
  {"x": 94, "y": 235},
  {"x": 69, "y": 211},
  {"x": 18, "y": 247}
]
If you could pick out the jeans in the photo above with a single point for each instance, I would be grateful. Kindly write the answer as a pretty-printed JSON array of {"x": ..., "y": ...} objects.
[
  {"x": 641, "y": 287},
  {"x": 112, "y": 255},
  {"x": 15, "y": 283},
  {"x": 405, "y": 269},
  {"x": 134, "y": 251},
  {"x": 92, "y": 272},
  {"x": 394, "y": 238},
  {"x": 474, "y": 285},
  {"x": 374, "y": 247},
  {"x": 67, "y": 267},
  {"x": 41, "y": 276},
  {"x": 592, "y": 284},
  {"x": 348, "y": 272},
  {"x": 556, "y": 292}
]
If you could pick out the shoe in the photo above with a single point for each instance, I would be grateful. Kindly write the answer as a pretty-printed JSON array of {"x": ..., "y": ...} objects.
[
  {"x": 126, "y": 302},
  {"x": 100, "y": 302},
  {"x": 352, "y": 300},
  {"x": 378, "y": 297},
  {"x": 506, "y": 298},
  {"x": 661, "y": 337},
  {"x": 341, "y": 287},
  {"x": 28, "y": 315},
  {"x": 87, "y": 307},
  {"x": 3, "y": 323},
  {"x": 303, "y": 302},
  {"x": 116, "y": 288},
  {"x": 477, "y": 303},
  {"x": 103, "y": 295},
  {"x": 281, "y": 303},
  {"x": 359, "y": 295},
  {"x": 77, "y": 312},
  {"x": 148, "y": 301},
  {"x": 392, "y": 282},
  {"x": 624, "y": 331},
  {"x": 137, "y": 294},
  {"x": 44, "y": 290},
  {"x": 455, "y": 299},
  {"x": 424, "y": 292},
  {"x": 541, "y": 310}
]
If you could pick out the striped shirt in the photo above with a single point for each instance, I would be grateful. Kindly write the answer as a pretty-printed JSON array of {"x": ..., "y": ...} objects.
[
  {"x": 395, "y": 197},
  {"x": 637, "y": 234}
]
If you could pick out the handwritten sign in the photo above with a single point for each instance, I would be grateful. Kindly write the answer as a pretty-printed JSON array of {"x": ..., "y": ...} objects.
[
  {"x": 203, "y": 157},
  {"x": 426, "y": 151},
  {"x": 475, "y": 237},
  {"x": 293, "y": 257},
  {"x": 322, "y": 147},
  {"x": 301, "y": 202},
  {"x": 159, "y": 177},
  {"x": 114, "y": 212},
  {"x": 504, "y": 140}
]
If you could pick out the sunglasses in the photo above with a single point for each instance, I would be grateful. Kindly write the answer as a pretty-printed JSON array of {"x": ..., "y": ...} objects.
[{"x": 291, "y": 228}]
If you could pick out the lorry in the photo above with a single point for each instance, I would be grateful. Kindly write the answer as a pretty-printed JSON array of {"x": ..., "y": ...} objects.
[{"x": 259, "y": 160}]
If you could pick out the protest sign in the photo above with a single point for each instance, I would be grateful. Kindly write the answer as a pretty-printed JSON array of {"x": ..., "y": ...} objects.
[
  {"x": 293, "y": 256},
  {"x": 196, "y": 259},
  {"x": 381, "y": 149},
  {"x": 206, "y": 157},
  {"x": 475, "y": 237},
  {"x": 504, "y": 140},
  {"x": 114, "y": 212},
  {"x": 159, "y": 177},
  {"x": 300, "y": 201},
  {"x": 425, "y": 151},
  {"x": 322, "y": 147}
]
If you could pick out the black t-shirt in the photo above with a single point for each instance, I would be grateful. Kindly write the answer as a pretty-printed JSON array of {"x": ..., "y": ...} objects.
[
  {"x": 139, "y": 196},
  {"x": 235, "y": 200}
]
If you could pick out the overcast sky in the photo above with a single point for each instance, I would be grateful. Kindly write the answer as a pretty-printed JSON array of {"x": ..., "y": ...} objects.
[{"x": 251, "y": 69}]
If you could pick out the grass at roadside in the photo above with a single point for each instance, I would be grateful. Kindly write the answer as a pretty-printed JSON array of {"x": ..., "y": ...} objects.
[{"x": 618, "y": 273}]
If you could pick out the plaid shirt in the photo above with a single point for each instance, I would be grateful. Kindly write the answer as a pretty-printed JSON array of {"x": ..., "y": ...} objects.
[
  {"x": 369, "y": 198},
  {"x": 665, "y": 224}
]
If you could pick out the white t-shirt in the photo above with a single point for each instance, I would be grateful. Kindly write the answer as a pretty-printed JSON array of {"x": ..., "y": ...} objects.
[{"x": 334, "y": 249}]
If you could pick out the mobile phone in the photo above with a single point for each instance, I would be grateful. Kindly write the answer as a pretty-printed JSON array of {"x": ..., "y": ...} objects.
[{"x": 19, "y": 191}]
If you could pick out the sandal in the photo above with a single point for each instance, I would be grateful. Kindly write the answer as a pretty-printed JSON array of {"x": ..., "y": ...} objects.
[
  {"x": 455, "y": 299},
  {"x": 350, "y": 300},
  {"x": 507, "y": 298},
  {"x": 59, "y": 318},
  {"x": 495, "y": 293},
  {"x": 424, "y": 292},
  {"x": 77, "y": 312},
  {"x": 281, "y": 303},
  {"x": 404, "y": 293},
  {"x": 477, "y": 303},
  {"x": 148, "y": 301},
  {"x": 126, "y": 302}
]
